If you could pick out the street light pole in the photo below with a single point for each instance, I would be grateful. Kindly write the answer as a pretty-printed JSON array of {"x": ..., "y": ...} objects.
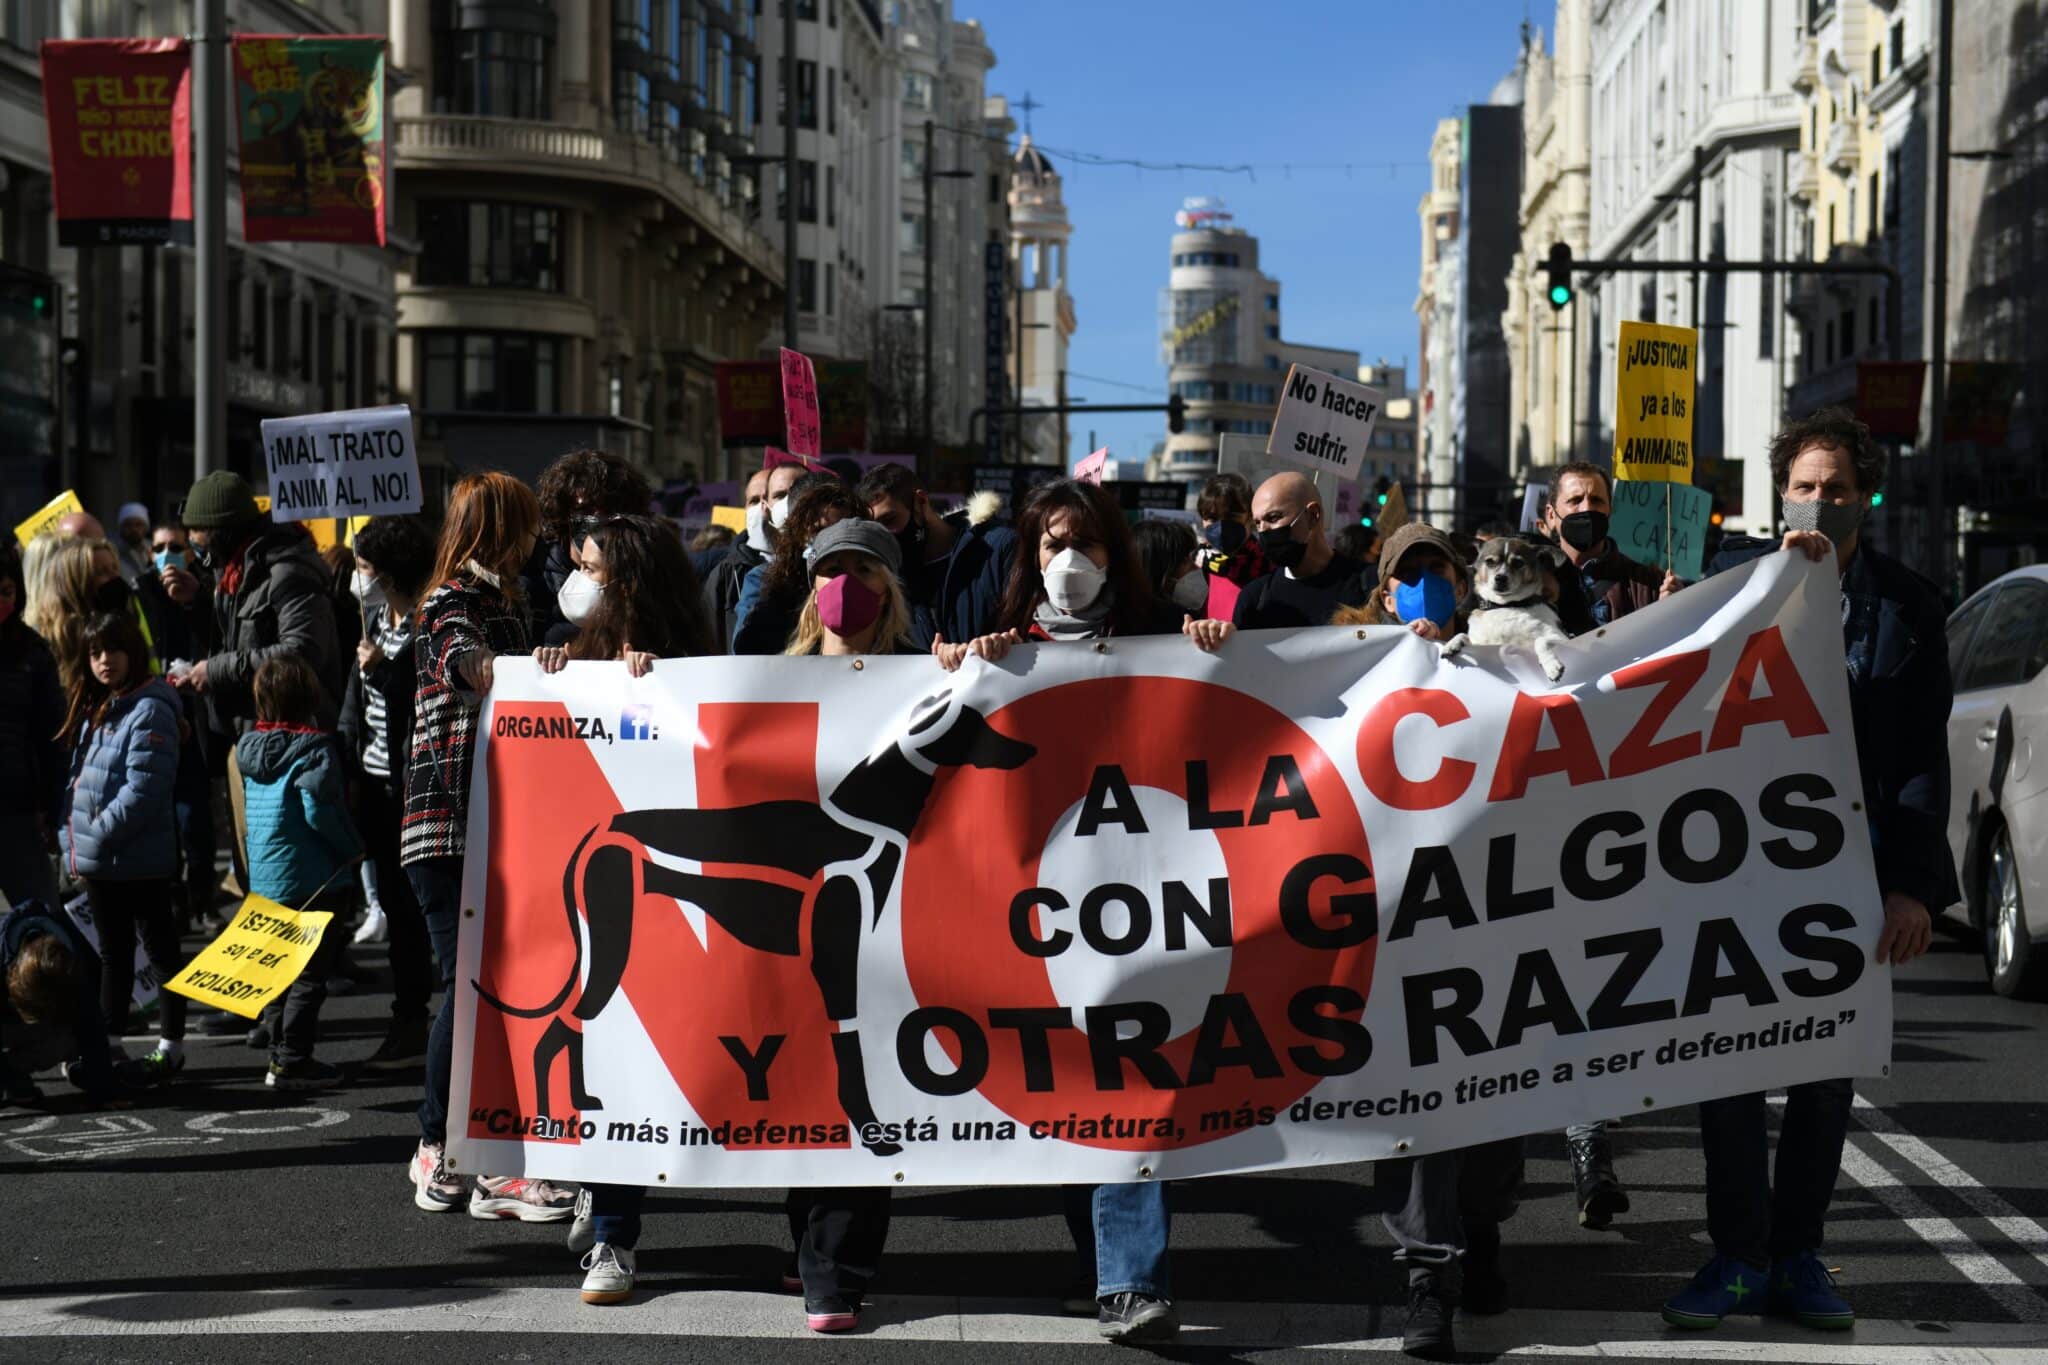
[
  {"x": 210, "y": 238},
  {"x": 789, "y": 247},
  {"x": 1937, "y": 435},
  {"x": 925, "y": 456}
]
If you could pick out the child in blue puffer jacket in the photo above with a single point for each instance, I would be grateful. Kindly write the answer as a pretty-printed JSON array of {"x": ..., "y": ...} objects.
[
  {"x": 302, "y": 849},
  {"x": 120, "y": 829}
]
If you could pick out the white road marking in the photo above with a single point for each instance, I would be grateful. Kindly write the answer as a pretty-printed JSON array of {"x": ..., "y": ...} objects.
[
  {"x": 1993, "y": 1207},
  {"x": 701, "y": 1314},
  {"x": 218, "y": 1123},
  {"x": 97, "y": 1136},
  {"x": 1976, "y": 1265}
]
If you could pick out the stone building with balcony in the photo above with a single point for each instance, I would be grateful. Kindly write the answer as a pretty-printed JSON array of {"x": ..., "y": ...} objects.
[
  {"x": 579, "y": 185},
  {"x": 1857, "y": 190},
  {"x": 1691, "y": 98}
]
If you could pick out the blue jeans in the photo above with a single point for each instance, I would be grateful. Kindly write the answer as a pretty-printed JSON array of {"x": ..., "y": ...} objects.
[
  {"x": 1749, "y": 1216},
  {"x": 1125, "y": 1229},
  {"x": 437, "y": 885},
  {"x": 615, "y": 1213}
]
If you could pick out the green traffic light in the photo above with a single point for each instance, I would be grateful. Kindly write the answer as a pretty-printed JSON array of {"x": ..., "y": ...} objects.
[
  {"x": 40, "y": 302},
  {"x": 1365, "y": 521},
  {"x": 1877, "y": 499},
  {"x": 1560, "y": 295},
  {"x": 1383, "y": 499}
]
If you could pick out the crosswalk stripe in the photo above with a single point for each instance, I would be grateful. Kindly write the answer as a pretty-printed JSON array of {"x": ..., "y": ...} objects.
[{"x": 2025, "y": 1233}]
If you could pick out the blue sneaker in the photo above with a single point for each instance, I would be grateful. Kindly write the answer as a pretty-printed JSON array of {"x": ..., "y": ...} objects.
[
  {"x": 1802, "y": 1290},
  {"x": 1725, "y": 1285}
]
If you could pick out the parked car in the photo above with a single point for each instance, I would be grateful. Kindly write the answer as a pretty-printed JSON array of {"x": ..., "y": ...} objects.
[{"x": 1998, "y": 766}]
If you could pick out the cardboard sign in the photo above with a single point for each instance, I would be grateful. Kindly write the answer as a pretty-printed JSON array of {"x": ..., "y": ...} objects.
[
  {"x": 359, "y": 463},
  {"x": 800, "y": 405},
  {"x": 1323, "y": 422},
  {"x": 119, "y": 112},
  {"x": 1648, "y": 515},
  {"x": 1394, "y": 515},
  {"x": 1653, "y": 403},
  {"x": 1089, "y": 470},
  {"x": 1246, "y": 455},
  {"x": 732, "y": 518},
  {"x": 48, "y": 515},
  {"x": 262, "y": 951}
]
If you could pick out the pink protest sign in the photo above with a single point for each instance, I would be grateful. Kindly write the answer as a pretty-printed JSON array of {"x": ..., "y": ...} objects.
[
  {"x": 800, "y": 405},
  {"x": 1090, "y": 469}
]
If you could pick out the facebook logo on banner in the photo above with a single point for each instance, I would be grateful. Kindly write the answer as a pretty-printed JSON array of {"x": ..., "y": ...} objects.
[{"x": 636, "y": 722}]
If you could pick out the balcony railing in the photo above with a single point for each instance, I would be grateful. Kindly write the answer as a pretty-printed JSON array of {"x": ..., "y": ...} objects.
[{"x": 520, "y": 139}]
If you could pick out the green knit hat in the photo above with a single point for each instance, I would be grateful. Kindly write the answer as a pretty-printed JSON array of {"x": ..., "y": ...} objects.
[{"x": 221, "y": 499}]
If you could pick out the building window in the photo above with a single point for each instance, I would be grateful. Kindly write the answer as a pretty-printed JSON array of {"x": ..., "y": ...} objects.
[
  {"x": 1876, "y": 324},
  {"x": 806, "y": 284},
  {"x": 498, "y": 73},
  {"x": 490, "y": 372},
  {"x": 913, "y": 159},
  {"x": 1874, "y": 201},
  {"x": 1272, "y": 332},
  {"x": 832, "y": 99},
  {"x": 831, "y": 300},
  {"x": 1876, "y": 65},
  {"x": 1848, "y": 332},
  {"x": 1898, "y": 43},
  {"x": 917, "y": 90},
  {"x": 910, "y": 232},
  {"x": 807, "y": 95},
  {"x": 632, "y": 102},
  {"x": 1272, "y": 303},
  {"x": 831, "y": 201},
  {"x": 807, "y": 191},
  {"x": 500, "y": 246},
  {"x": 1272, "y": 362},
  {"x": 807, "y": 9}
]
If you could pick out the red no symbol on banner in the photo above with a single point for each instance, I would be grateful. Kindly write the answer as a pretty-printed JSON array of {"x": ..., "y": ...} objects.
[{"x": 1211, "y": 898}]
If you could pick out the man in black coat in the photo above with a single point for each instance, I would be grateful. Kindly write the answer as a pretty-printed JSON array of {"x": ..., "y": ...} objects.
[
  {"x": 722, "y": 585},
  {"x": 1766, "y": 1238}
]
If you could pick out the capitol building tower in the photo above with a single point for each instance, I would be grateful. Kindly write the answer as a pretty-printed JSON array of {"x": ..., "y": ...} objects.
[{"x": 1043, "y": 320}]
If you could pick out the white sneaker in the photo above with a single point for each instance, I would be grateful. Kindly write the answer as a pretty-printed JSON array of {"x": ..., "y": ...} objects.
[
  {"x": 609, "y": 1274},
  {"x": 516, "y": 1196},
  {"x": 374, "y": 927},
  {"x": 583, "y": 1231}
]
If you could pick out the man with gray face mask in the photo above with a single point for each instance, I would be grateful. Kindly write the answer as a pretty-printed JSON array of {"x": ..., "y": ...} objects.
[{"x": 1766, "y": 1239}]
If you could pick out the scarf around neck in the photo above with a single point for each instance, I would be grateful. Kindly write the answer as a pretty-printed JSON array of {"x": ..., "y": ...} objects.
[{"x": 1083, "y": 624}]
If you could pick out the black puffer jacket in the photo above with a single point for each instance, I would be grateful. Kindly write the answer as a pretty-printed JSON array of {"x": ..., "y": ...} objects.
[
  {"x": 282, "y": 604},
  {"x": 32, "y": 767}
]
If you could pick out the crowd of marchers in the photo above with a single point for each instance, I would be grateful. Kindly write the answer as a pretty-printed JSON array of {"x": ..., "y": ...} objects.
[{"x": 212, "y": 682}]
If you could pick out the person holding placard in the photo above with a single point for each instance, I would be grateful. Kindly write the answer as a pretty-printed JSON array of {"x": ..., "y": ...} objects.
[{"x": 1577, "y": 517}]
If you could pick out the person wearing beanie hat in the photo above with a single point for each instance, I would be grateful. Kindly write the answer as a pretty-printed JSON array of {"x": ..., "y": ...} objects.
[
  {"x": 856, "y": 603},
  {"x": 271, "y": 595},
  {"x": 1423, "y": 584},
  {"x": 131, "y": 544}
]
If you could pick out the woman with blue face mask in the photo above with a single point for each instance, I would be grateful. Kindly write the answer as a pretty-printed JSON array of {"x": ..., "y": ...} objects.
[{"x": 1423, "y": 585}]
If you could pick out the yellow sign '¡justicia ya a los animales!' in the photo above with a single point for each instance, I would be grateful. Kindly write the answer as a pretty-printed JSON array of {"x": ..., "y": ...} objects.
[{"x": 1653, "y": 402}]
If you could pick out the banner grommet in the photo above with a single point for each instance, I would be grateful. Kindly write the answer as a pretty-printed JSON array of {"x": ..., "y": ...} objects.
[{"x": 858, "y": 665}]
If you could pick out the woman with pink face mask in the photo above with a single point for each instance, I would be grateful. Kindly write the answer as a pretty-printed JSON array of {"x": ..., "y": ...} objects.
[{"x": 856, "y": 604}]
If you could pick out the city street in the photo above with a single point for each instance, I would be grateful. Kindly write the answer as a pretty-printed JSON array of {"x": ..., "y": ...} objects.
[{"x": 221, "y": 1223}]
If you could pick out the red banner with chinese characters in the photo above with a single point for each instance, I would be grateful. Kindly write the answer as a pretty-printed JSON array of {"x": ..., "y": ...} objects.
[
  {"x": 1888, "y": 397},
  {"x": 311, "y": 115},
  {"x": 119, "y": 112}
]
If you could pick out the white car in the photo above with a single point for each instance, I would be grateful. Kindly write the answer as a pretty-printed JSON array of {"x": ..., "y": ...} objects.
[{"x": 1998, "y": 771}]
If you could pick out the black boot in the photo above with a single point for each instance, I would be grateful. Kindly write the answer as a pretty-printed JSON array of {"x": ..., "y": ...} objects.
[
  {"x": 1600, "y": 1192},
  {"x": 1427, "y": 1333},
  {"x": 1485, "y": 1289}
]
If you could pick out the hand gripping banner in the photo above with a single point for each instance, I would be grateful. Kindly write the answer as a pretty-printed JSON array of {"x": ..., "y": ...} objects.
[{"x": 1128, "y": 911}]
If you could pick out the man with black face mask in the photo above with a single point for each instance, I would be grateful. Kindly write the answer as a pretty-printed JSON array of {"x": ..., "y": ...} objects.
[
  {"x": 1309, "y": 581},
  {"x": 1576, "y": 518},
  {"x": 953, "y": 570}
]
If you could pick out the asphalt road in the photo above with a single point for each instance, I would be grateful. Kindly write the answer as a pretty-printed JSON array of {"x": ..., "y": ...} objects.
[{"x": 218, "y": 1222}]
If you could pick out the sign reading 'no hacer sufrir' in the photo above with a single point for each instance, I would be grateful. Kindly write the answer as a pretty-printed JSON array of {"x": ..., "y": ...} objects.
[
  {"x": 359, "y": 463},
  {"x": 1324, "y": 422}
]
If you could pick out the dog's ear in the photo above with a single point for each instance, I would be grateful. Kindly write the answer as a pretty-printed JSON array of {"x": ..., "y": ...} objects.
[{"x": 1553, "y": 555}]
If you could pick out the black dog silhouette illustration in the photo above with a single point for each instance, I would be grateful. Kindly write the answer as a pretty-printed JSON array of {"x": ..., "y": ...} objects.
[{"x": 855, "y": 837}]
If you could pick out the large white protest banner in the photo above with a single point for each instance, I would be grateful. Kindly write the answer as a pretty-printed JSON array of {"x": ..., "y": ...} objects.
[
  {"x": 358, "y": 463},
  {"x": 1131, "y": 911},
  {"x": 1323, "y": 422}
]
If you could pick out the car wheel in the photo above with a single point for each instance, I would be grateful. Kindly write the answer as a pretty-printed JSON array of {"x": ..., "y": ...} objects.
[{"x": 2015, "y": 969}]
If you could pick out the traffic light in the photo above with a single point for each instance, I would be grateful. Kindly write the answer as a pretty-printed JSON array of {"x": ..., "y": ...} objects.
[
  {"x": 1381, "y": 488},
  {"x": 1176, "y": 414},
  {"x": 1559, "y": 270},
  {"x": 1877, "y": 499}
]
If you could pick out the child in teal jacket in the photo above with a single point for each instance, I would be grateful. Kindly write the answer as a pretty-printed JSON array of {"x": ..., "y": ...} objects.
[{"x": 301, "y": 849}]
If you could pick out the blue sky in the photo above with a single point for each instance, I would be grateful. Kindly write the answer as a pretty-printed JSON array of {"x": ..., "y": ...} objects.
[{"x": 1330, "y": 81}]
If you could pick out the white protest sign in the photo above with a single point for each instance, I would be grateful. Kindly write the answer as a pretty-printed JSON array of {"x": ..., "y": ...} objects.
[
  {"x": 359, "y": 463},
  {"x": 1324, "y": 422}
]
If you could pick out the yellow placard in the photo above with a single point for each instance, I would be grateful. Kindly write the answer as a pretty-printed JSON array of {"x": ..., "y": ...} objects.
[
  {"x": 63, "y": 505},
  {"x": 1653, "y": 402},
  {"x": 262, "y": 951},
  {"x": 355, "y": 524},
  {"x": 324, "y": 533},
  {"x": 263, "y": 503},
  {"x": 734, "y": 518}
]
